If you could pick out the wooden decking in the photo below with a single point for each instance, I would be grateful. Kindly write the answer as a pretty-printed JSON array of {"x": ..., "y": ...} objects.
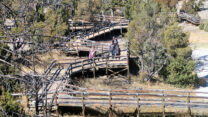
[{"x": 189, "y": 17}]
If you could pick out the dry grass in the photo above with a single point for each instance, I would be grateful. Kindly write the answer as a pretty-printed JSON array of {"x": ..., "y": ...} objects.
[
  {"x": 198, "y": 38},
  {"x": 120, "y": 83},
  {"x": 42, "y": 61}
]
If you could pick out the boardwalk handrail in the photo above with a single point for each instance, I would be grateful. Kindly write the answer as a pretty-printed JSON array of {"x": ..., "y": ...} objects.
[
  {"x": 189, "y": 17},
  {"x": 137, "y": 100}
]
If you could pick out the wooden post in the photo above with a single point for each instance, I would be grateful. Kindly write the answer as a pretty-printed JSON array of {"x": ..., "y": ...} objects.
[
  {"x": 128, "y": 63},
  {"x": 45, "y": 90},
  {"x": 77, "y": 50},
  {"x": 106, "y": 70},
  {"x": 110, "y": 106},
  {"x": 121, "y": 28},
  {"x": 70, "y": 68},
  {"x": 83, "y": 105},
  {"x": 82, "y": 69},
  {"x": 94, "y": 69},
  {"x": 138, "y": 106},
  {"x": 188, "y": 105},
  {"x": 56, "y": 102},
  {"x": 102, "y": 50},
  {"x": 163, "y": 103}
]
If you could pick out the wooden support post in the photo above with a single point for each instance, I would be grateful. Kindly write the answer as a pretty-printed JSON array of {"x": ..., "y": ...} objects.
[
  {"x": 94, "y": 69},
  {"x": 70, "y": 68},
  {"x": 82, "y": 69},
  {"x": 128, "y": 63},
  {"x": 138, "y": 106},
  {"x": 56, "y": 102},
  {"x": 77, "y": 50},
  {"x": 102, "y": 50},
  {"x": 110, "y": 106},
  {"x": 121, "y": 28},
  {"x": 163, "y": 103},
  {"x": 106, "y": 70},
  {"x": 188, "y": 105},
  {"x": 83, "y": 105}
]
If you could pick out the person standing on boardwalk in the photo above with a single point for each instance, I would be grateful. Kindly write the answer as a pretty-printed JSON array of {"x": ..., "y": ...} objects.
[
  {"x": 117, "y": 51},
  {"x": 115, "y": 41},
  {"x": 111, "y": 49},
  {"x": 92, "y": 53}
]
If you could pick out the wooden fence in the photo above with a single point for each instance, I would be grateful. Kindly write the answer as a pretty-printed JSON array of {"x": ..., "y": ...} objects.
[{"x": 134, "y": 98}]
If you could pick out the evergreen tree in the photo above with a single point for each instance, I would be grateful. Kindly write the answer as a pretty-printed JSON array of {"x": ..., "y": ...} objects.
[
  {"x": 180, "y": 73},
  {"x": 144, "y": 34},
  {"x": 176, "y": 42}
]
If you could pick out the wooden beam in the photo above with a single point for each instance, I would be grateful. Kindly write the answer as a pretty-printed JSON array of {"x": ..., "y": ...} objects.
[
  {"x": 83, "y": 105},
  {"x": 110, "y": 106},
  {"x": 138, "y": 106},
  {"x": 188, "y": 105}
]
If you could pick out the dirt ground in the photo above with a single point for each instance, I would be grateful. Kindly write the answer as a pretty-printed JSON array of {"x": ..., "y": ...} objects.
[{"x": 198, "y": 38}]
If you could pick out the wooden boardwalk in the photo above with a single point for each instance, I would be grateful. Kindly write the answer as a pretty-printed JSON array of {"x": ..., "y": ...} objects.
[
  {"x": 58, "y": 90},
  {"x": 190, "y": 18},
  {"x": 61, "y": 73}
]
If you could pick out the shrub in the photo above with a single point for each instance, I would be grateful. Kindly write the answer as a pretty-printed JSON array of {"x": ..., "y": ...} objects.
[
  {"x": 8, "y": 103},
  {"x": 202, "y": 82},
  {"x": 201, "y": 26},
  {"x": 176, "y": 41},
  {"x": 206, "y": 26},
  {"x": 180, "y": 73},
  {"x": 191, "y": 6}
]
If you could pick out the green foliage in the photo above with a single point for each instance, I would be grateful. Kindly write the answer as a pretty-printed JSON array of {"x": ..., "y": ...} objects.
[
  {"x": 53, "y": 25},
  {"x": 191, "y": 6},
  {"x": 144, "y": 34},
  {"x": 1, "y": 32},
  {"x": 201, "y": 26},
  {"x": 87, "y": 9},
  {"x": 176, "y": 42},
  {"x": 153, "y": 59},
  {"x": 180, "y": 73},
  {"x": 206, "y": 26},
  {"x": 17, "y": 30},
  {"x": 8, "y": 103},
  {"x": 131, "y": 8}
]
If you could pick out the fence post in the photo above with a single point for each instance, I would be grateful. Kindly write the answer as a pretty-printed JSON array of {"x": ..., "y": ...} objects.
[
  {"x": 77, "y": 50},
  {"x": 106, "y": 70},
  {"x": 128, "y": 67},
  {"x": 102, "y": 52},
  {"x": 138, "y": 106},
  {"x": 188, "y": 105},
  {"x": 121, "y": 27},
  {"x": 163, "y": 103},
  {"x": 70, "y": 68},
  {"x": 110, "y": 105},
  {"x": 94, "y": 67},
  {"x": 56, "y": 102},
  {"x": 82, "y": 69},
  {"x": 83, "y": 105}
]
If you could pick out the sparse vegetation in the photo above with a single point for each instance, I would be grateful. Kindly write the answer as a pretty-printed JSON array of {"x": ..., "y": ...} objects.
[{"x": 192, "y": 6}]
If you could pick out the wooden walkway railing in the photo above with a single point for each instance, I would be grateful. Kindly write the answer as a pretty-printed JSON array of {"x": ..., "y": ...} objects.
[
  {"x": 134, "y": 98},
  {"x": 106, "y": 62},
  {"x": 189, "y": 17}
]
